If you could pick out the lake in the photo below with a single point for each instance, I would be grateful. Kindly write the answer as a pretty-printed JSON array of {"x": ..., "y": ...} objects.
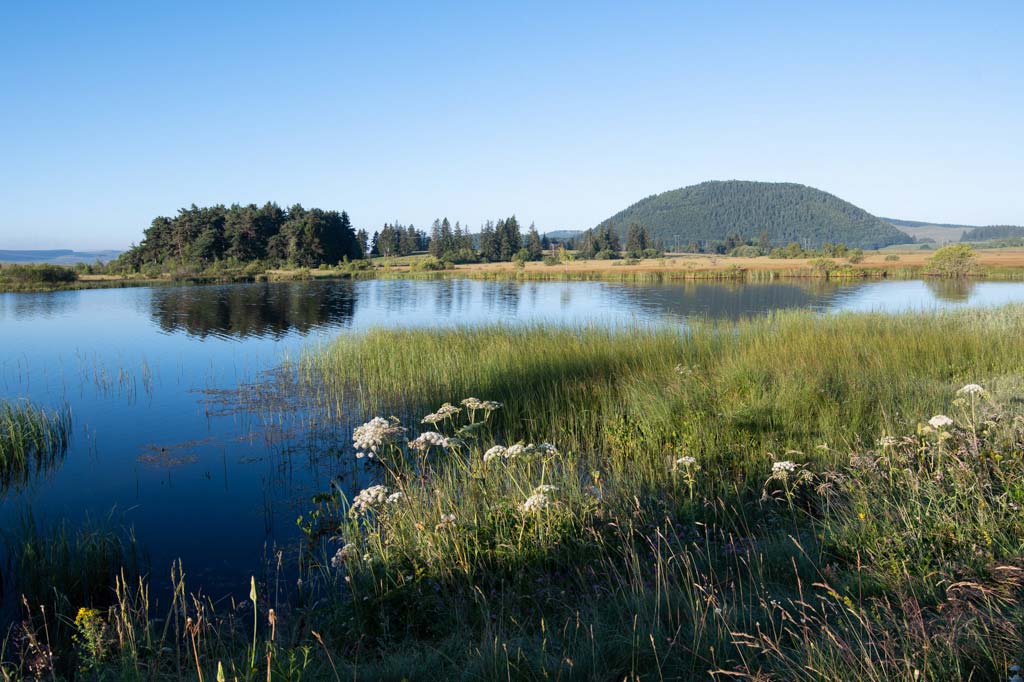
[{"x": 163, "y": 442}]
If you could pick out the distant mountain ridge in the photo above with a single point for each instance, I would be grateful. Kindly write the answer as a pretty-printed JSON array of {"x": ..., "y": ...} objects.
[
  {"x": 944, "y": 233},
  {"x": 56, "y": 256},
  {"x": 563, "y": 234},
  {"x": 786, "y": 212}
]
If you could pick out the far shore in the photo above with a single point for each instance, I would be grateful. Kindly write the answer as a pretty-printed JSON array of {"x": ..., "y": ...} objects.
[{"x": 994, "y": 264}]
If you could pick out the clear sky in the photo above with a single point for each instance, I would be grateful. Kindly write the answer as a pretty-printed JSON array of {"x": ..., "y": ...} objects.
[{"x": 561, "y": 113}]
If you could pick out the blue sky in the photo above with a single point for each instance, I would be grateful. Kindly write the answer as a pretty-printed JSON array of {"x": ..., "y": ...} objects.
[{"x": 561, "y": 113}]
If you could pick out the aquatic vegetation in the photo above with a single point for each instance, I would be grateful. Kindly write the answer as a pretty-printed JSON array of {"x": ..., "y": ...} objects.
[
  {"x": 32, "y": 441},
  {"x": 81, "y": 559}
]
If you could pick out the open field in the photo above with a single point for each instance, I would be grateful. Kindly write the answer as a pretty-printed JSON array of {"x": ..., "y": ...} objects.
[
  {"x": 1000, "y": 263},
  {"x": 793, "y": 497}
]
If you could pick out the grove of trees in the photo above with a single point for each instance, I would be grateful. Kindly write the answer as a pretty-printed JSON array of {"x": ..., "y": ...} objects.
[
  {"x": 201, "y": 236},
  {"x": 214, "y": 237}
]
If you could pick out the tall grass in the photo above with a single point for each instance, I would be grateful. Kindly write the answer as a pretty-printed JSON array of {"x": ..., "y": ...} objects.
[
  {"x": 786, "y": 380},
  {"x": 723, "y": 271},
  {"x": 869, "y": 561},
  {"x": 32, "y": 440}
]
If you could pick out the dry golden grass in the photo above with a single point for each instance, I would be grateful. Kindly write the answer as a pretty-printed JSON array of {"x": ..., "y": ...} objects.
[{"x": 683, "y": 263}]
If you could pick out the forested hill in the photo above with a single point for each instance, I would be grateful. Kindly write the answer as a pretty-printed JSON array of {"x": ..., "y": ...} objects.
[
  {"x": 783, "y": 212},
  {"x": 989, "y": 232},
  {"x": 203, "y": 235}
]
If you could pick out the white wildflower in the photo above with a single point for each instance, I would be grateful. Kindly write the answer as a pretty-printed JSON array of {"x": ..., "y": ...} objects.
[
  {"x": 343, "y": 555},
  {"x": 429, "y": 439},
  {"x": 369, "y": 498},
  {"x": 395, "y": 497},
  {"x": 535, "y": 503},
  {"x": 529, "y": 449},
  {"x": 940, "y": 421},
  {"x": 687, "y": 462},
  {"x": 888, "y": 441},
  {"x": 447, "y": 521},
  {"x": 514, "y": 451},
  {"x": 444, "y": 412},
  {"x": 475, "y": 404},
  {"x": 371, "y": 436},
  {"x": 495, "y": 452},
  {"x": 782, "y": 468},
  {"x": 539, "y": 499},
  {"x": 971, "y": 389}
]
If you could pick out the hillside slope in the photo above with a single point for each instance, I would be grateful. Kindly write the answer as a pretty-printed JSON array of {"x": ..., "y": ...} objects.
[{"x": 787, "y": 212}]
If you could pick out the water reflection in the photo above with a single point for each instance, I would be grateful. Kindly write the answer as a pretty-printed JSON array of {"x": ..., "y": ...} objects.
[
  {"x": 29, "y": 305},
  {"x": 727, "y": 300},
  {"x": 951, "y": 290},
  {"x": 260, "y": 310}
]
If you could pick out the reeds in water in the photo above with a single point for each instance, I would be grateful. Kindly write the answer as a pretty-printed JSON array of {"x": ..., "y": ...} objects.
[{"x": 32, "y": 440}]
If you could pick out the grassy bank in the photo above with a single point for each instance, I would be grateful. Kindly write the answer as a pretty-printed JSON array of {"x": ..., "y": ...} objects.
[{"x": 771, "y": 500}]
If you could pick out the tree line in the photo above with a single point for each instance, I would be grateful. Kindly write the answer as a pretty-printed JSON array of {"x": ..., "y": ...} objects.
[
  {"x": 990, "y": 232},
  {"x": 205, "y": 235},
  {"x": 603, "y": 242},
  {"x": 497, "y": 241},
  {"x": 255, "y": 236}
]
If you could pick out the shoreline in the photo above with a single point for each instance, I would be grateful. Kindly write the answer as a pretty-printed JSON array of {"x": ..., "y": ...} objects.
[{"x": 995, "y": 265}]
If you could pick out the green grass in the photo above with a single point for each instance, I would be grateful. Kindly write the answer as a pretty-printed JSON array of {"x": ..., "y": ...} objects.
[
  {"x": 623, "y": 406},
  {"x": 32, "y": 441},
  {"x": 889, "y": 550}
]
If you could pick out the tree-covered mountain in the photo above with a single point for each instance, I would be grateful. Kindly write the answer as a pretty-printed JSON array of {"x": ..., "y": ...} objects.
[
  {"x": 779, "y": 213},
  {"x": 989, "y": 232}
]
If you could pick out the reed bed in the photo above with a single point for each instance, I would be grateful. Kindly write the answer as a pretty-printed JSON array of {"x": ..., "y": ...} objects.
[
  {"x": 793, "y": 497},
  {"x": 725, "y": 272},
  {"x": 32, "y": 440}
]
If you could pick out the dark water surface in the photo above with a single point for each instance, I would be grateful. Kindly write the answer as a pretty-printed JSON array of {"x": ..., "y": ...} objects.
[{"x": 147, "y": 373}]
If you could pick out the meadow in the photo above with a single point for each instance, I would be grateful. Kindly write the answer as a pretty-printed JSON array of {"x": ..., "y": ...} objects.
[{"x": 790, "y": 497}]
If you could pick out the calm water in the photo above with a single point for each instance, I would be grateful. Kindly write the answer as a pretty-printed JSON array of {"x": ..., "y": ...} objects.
[{"x": 221, "y": 488}]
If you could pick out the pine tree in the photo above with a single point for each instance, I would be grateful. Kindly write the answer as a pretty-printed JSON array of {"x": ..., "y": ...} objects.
[
  {"x": 490, "y": 247},
  {"x": 636, "y": 241},
  {"x": 364, "y": 243},
  {"x": 534, "y": 245}
]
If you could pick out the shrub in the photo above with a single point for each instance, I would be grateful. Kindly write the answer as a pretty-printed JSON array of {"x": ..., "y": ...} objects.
[
  {"x": 952, "y": 260},
  {"x": 823, "y": 266},
  {"x": 430, "y": 264},
  {"x": 37, "y": 274},
  {"x": 746, "y": 251},
  {"x": 892, "y": 257}
]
